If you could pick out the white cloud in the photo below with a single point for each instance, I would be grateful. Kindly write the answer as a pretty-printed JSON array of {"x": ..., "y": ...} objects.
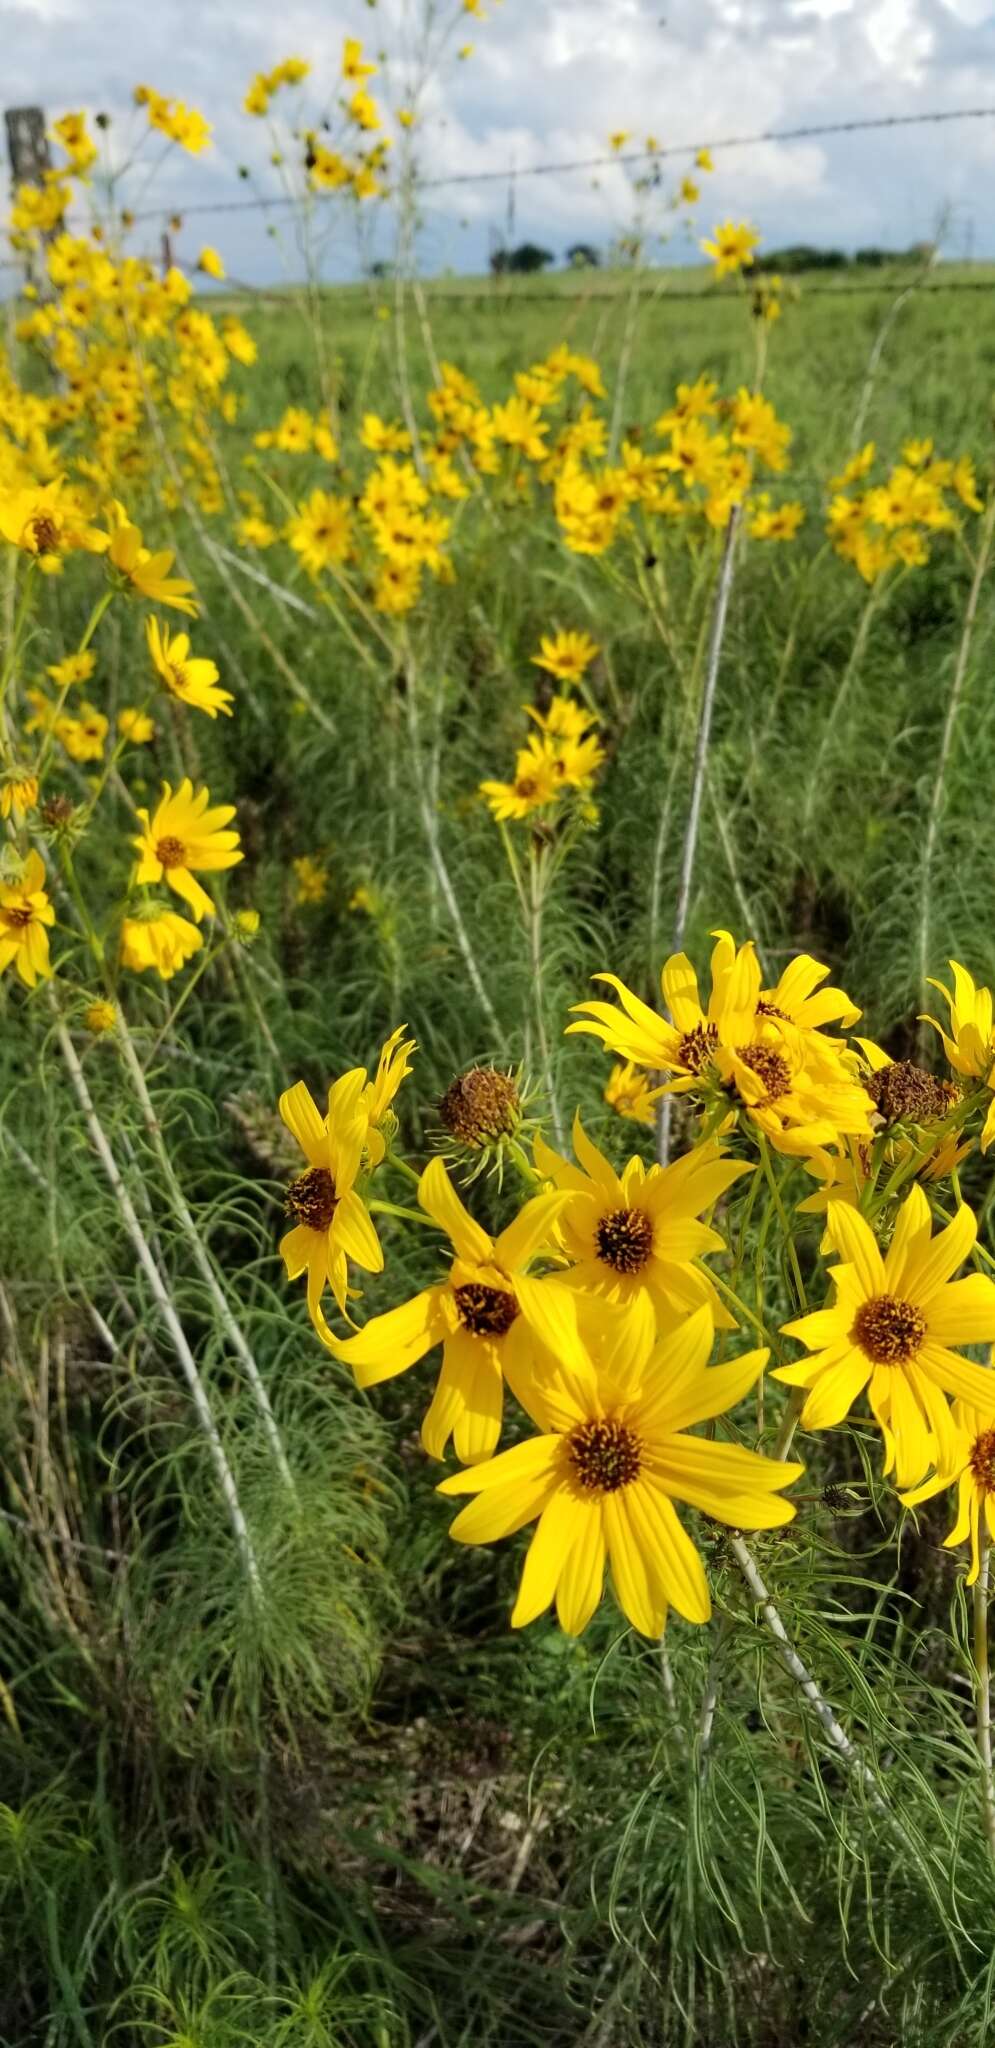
[{"x": 549, "y": 80}]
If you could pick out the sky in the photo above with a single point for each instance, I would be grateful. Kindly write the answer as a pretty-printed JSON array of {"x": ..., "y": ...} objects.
[{"x": 548, "y": 81}]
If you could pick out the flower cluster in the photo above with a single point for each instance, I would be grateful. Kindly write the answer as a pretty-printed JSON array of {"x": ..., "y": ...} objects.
[{"x": 890, "y": 525}]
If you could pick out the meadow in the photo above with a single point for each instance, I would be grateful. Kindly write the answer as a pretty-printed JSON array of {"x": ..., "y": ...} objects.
[{"x": 274, "y": 1766}]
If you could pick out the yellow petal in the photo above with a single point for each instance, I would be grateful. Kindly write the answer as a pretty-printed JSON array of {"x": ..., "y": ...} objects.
[
  {"x": 854, "y": 1239},
  {"x": 582, "y": 1577},
  {"x": 304, "y": 1121},
  {"x": 439, "y": 1200},
  {"x": 555, "y": 1532}
]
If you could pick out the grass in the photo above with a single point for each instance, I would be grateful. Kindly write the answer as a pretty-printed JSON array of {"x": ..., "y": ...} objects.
[{"x": 360, "y": 1811}]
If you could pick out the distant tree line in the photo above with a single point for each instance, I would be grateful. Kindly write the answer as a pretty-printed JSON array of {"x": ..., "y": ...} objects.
[{"x": 528, "y": 257}]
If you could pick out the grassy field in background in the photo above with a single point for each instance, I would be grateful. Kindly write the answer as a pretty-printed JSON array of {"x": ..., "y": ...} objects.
[{"x": 384, "y": 1821}]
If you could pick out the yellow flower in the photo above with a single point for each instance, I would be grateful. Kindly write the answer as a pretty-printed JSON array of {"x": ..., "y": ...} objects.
[
  {"x": 321, "y": 531},
  {"x": 44, "y": 522},
  {"x": 24, "y": 913},
  {"x": 83, "y": 737},
  {"x": 615, "y": 1454},
  {"x": 99, "y": 1017},
  {"x": 968, "y": 1462},
  {"x": 18, "y": 793},
  {"x": 312, "y": 880},
  {"x": 628, "y": 1093},
  {"x": 375, "y": 1102},
  {"x": 76, "y": 668},
  {"x": 158, "y": 938},
  {"x": 148, "y": 573},
  {"x": 520, "y": 425},
  {"x": 731, "y": 247},
  {"x": 210, "y": 262},
  {"x": 703, "y": 159},
  {"x": 890, "y": 1329},
  {"x": 963, "y": 480},
  {"x": 618, "y": 140},
  {"x": 477, "y": 1314},
  {"x": 634, "y": 1236},
  {"x": 331, "y": 1221},
  {"x": 917, "y": 453},
  {"x": 353, "y": 65},
  {"x": 256, "y": 100},
  {"x": 781, "y": 522},
  {"x": 537, "y": 783},
  {"x": 192, "y": 680},
  {"x": 363, "y": 110},
  {"x": 383, "y": 437},
  {"x": 764, "y": 1046},
  {"x": 135, "y": 725},
  {"x": 690, "y": 192},
  {"x": 186, "y": 837},
  {"x": 566, "y": 655},
  {"x": 970, "y": 1048}
]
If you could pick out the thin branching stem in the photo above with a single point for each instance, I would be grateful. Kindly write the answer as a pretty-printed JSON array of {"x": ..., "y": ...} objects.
[
  {"x": 983, "y": 1687},
  {"x": 164, "y": 1303},
  {"x": 430, "y": 826},
  {"x": 720, "y": 612},
  {"x": 201, "y": 1258},
  {"x": 938, "y": 797}
]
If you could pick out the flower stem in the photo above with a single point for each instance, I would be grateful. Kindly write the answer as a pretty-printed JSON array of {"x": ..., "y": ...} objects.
[
  {"x": 983, "y": 1697},
  {"x": 163, "y": 1300}
]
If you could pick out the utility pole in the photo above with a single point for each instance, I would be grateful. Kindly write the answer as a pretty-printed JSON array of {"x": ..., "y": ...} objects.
[{"x": 28, "y": 151}]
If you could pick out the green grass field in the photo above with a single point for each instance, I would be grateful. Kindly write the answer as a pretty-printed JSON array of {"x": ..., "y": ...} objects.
[{"x": 358, "y": 1811}]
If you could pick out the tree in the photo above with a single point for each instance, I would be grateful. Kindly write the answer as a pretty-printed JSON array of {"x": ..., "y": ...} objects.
[{"x": 583, "y": 256}]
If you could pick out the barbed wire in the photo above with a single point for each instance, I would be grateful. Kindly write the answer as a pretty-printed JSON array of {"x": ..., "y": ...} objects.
[{"x": 808, "y": 132}]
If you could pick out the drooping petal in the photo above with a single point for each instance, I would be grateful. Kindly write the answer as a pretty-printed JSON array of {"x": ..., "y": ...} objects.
[
  {"x": 478, "y": 1424},
  {"x": 638, "y": 1587},
  {"x": 658, "y": 1531},
  {"x": 555, "y": 1533},
  {"x": 581, "y": 1581},
  {"x": 352, "y": 1228},
  {"x": 388, "y": 1344}
]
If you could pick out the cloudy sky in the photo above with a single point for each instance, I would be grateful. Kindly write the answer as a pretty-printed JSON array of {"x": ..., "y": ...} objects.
[{"x": 547, "y": 81}]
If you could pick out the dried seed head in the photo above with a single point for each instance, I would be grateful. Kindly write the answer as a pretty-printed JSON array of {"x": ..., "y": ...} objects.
[
  {"x": 903, "y": 1091},
  {"x": 480, "y": 1107}
]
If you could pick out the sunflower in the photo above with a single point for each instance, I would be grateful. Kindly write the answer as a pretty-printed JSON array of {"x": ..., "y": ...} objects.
[
  {"x": 967, "y": 1461},
  {"x": 969, "y": 1044},
  {"x": 147, "y": 573},
  {"x": 331, "y": 1221},
  {"x": 24, "y": 913},
  {"x": 184, "y": 836},
  {"x": 193, "y": 680},
  {"x": 890, "y": 1329},
  {"x": 603, "y": 1477},
  {"x": 378, "y": 1094},
  {"x": 159, "y": 938},
  {"x": 565, "y": 655},
  {"x": 797, "y": 1085},
  {"x": 634, "y": 1236},
  {"x": 45, "y": 522},
  {"x": 476, "y": 1314}
]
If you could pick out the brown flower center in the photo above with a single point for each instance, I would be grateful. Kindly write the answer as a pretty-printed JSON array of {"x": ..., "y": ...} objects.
[
  {"x": 176, "y": 677},
  {"x": 770, "y": 1067},
  {"x": 625, "y": 1239},
  {"x": 983, "y": 1459},
  {"x": 170, "y": 852},
  {"x": 769, "y": 1009},
  {"x": 18, "y": 916},
  {"x": 697, "y": 1046},
  {"x": 485, "y": 1311},
  {"x": 312, "y": 1198},
  {"x": 44, "y": 533},
  {"x": 605, "y": 1455},
  {"x": 888, "y": 1330}
]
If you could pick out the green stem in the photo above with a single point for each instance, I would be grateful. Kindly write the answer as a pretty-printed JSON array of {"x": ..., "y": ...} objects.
[{"x": 983, "y": 1701}]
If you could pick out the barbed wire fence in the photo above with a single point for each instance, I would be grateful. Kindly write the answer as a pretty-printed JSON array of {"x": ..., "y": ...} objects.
[{"x": 29, "y": 166}]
